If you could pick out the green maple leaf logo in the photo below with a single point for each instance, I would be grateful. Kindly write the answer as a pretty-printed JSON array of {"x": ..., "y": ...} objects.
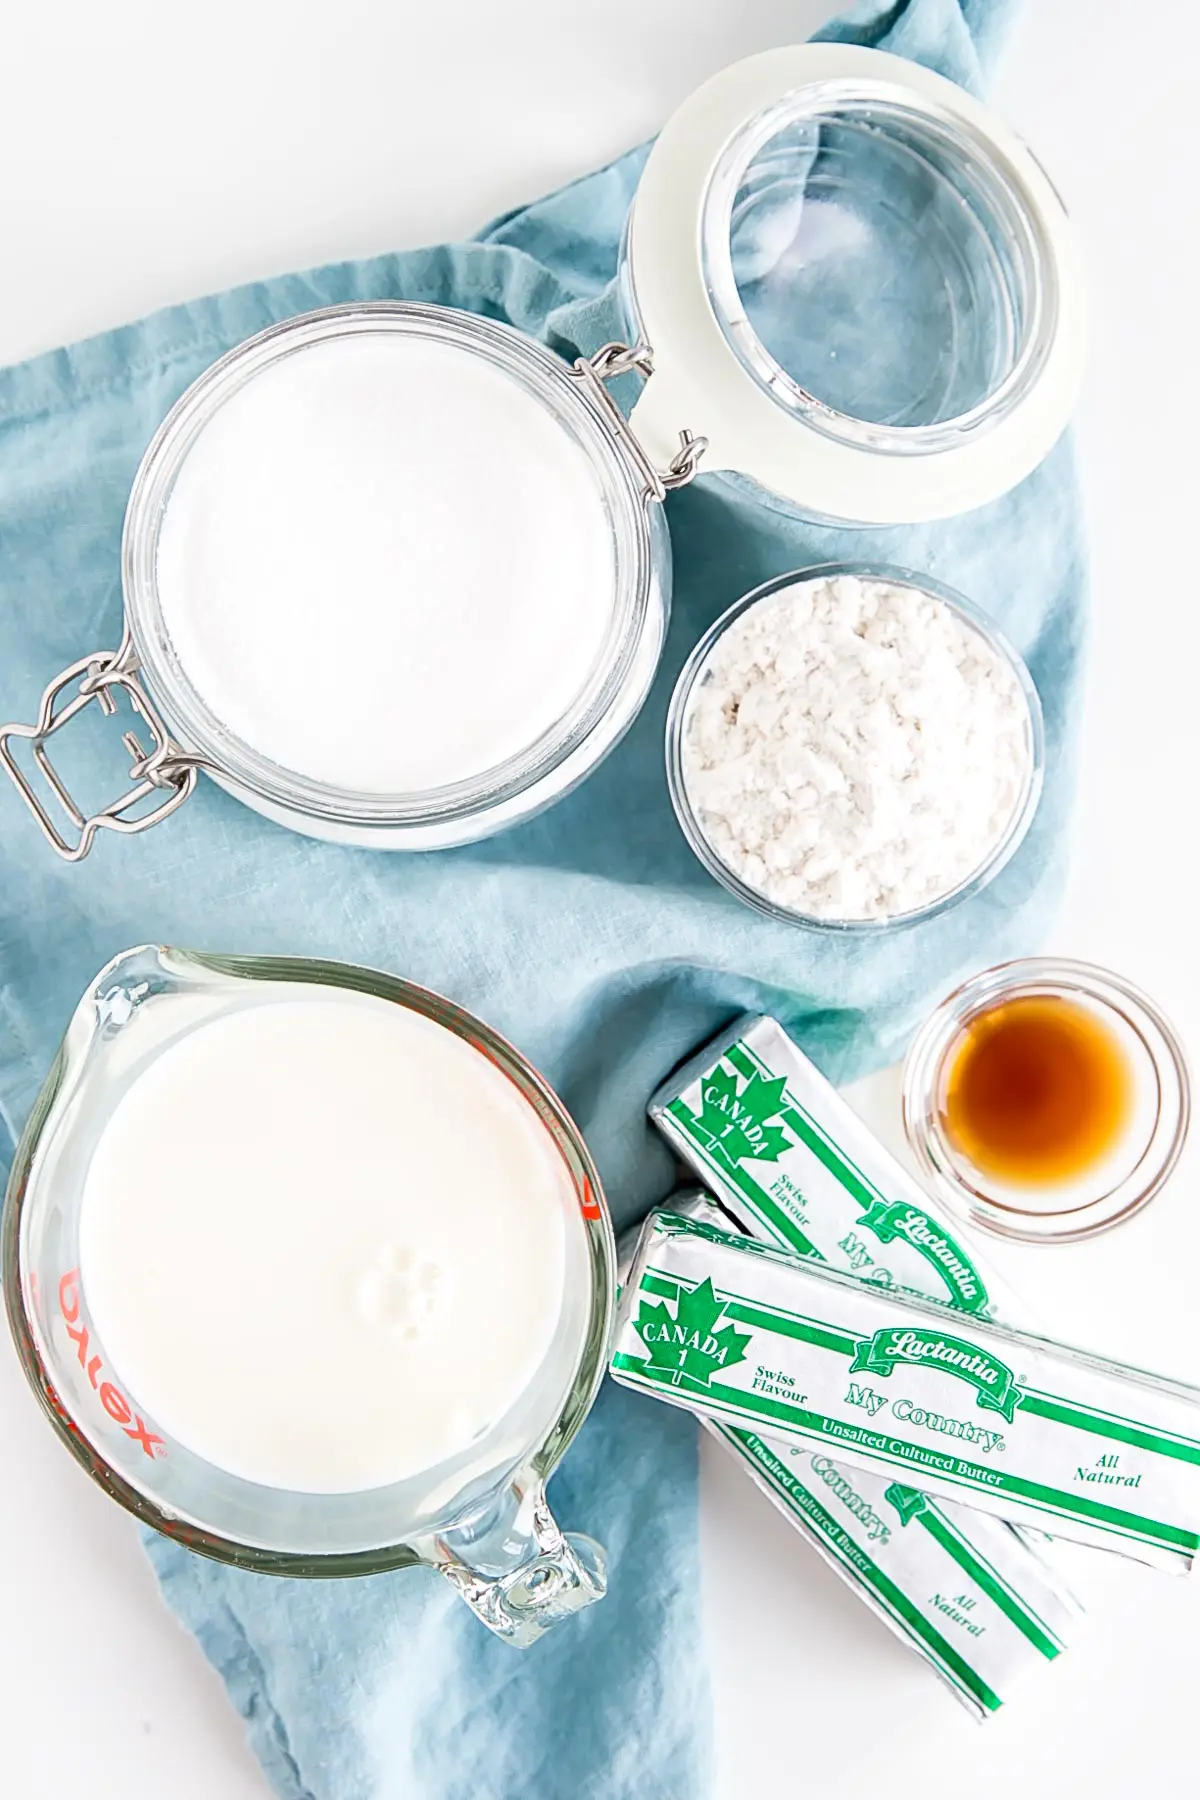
[
  {"x": 738, "y": 1124},
  {"x": 688, "y": 1344}
]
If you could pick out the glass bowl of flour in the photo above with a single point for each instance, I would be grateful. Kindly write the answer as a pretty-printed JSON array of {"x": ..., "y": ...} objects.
[{"x": 854, "y": 748}]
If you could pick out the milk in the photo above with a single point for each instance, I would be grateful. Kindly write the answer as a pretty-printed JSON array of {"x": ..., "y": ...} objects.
[
  {"x": 325, "y": 1243},
  {"x": 385, "y": 565}
]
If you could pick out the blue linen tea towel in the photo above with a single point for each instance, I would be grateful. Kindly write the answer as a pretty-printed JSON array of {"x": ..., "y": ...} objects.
[{"x": 589, "y": 935}]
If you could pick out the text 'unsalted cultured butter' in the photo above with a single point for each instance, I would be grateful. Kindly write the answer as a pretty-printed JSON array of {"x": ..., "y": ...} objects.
[{"x": 1018, "y": 1426}]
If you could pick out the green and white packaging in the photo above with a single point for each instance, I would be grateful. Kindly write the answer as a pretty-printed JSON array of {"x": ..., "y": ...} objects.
[
  {"x": 782, "y": 1151},
  {"x": 794, "y": 1164},
  {"x": 961, "y": 1589},
  {"x": 1003, "y": 1421}
]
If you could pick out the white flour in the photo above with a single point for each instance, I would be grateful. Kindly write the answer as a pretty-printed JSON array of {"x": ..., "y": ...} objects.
[
  {"x": 386, "y": 566},
  {"x": 854, "y": 749}
]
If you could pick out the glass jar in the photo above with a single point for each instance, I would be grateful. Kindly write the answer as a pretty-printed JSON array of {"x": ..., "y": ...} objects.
[
  {"x": 481, "y": 1518},
  {"x": 149, "y": 675},
  {"x": 846, "y": 281},
  {"x": 547, "y": 768}
]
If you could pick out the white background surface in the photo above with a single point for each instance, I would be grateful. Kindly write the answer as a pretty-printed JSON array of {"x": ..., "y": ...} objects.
[{"x": 149, "y": 152}]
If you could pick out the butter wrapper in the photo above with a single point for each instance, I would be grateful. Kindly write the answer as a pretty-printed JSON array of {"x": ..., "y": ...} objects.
[
  {"x": 959, "y": 1588},
  {"x": 782, "y": 1151},
  {"x": 795, "y": 1165},
  {"x": 973, "y": 1412}
]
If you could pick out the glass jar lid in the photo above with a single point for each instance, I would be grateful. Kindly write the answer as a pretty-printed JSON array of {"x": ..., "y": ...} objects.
[{"x": 857, "y": 284}]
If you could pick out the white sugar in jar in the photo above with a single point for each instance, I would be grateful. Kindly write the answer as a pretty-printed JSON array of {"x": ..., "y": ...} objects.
[
  {"x": 391, "y": 578},
  {"x": 853, "y": 747},
  {"x": 386, "y": 566}
]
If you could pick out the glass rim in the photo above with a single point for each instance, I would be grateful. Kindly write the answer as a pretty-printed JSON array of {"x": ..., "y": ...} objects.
[
  {"x": 234, "y": 762},
  {"x": 580, "y": 1391},
  {"x": 994, "y": 174},
  {"x": 1064, "y": 977},
  {"x": 1002, "y": 851}
]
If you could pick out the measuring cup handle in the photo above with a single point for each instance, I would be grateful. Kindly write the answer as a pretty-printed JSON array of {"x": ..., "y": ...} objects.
[{"x": 521, "y": 1574}]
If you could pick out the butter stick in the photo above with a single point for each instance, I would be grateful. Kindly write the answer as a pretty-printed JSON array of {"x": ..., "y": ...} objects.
[
  {"x": 783, "y": 1151},
  {"x": 787, "y": 1156},
  {"x": 962, "y": 1590},
  {"x": 972, "y": 1412}
]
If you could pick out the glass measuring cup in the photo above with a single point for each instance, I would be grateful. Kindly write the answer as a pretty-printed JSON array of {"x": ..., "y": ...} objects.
[{"x": 481, "y": 1517}]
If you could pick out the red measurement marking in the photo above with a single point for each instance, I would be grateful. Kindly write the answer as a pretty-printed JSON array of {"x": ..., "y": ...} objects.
[
  {"x": 589, "y": 1206},
  {"x": 60, "y": 1409},
  {"x": 111, "y": 1398}
]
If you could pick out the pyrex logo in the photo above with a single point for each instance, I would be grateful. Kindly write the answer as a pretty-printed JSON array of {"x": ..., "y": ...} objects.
[{"x": 111, "y": 1398}]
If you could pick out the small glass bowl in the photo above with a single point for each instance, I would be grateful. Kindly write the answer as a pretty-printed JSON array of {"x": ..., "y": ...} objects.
[
  {"x": 1002, "y": 851},
  {"x": 1058, "y": 1213}
]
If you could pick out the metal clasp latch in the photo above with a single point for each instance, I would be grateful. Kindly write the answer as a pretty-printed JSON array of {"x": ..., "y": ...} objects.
[
  {"x": 637, "y": 359},
  {"x": 165, "y": 769}
]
